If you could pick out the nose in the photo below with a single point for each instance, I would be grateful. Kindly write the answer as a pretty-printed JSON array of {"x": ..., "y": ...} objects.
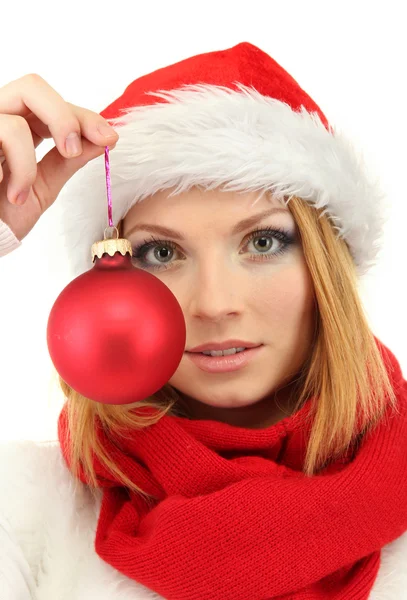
[{"x": 216, "y": 291}]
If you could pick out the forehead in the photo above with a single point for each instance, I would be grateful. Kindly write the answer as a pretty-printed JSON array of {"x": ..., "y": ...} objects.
[{"x": 196, "y": 204}]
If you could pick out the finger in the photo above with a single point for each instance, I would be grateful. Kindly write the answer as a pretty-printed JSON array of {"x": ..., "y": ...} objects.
[
  {"x": 37, "y": 139},
  {"x": 39, "y": 130},
  {"x": 94, "y": 127},
  {"x": 18, "y": 149},
  {"x": 55, "y": 170},
  {"x": 33, "y": 93}
]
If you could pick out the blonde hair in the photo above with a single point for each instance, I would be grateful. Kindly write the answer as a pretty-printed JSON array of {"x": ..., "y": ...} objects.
[{"x": 344, "y": 373}]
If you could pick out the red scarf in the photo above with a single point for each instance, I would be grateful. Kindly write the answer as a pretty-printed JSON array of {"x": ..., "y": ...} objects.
[{"x": 237, "y": 520}]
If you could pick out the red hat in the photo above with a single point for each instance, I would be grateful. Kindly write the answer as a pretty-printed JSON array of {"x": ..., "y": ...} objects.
[
  {"x": 243, "y": 64},
  {"x": 231, "y": 119}
]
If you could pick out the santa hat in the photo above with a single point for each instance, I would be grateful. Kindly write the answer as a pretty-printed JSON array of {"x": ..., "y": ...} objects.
[{"x": 232, "y": 119}]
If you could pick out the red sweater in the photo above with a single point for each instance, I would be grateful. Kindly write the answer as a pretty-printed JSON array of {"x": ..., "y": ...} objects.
[{"x": 235, "y": 518}]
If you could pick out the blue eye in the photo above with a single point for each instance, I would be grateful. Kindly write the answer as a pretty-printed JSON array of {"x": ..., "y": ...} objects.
[
  {"x": 284, "y": 238},
  {"x": 163, "y": 248},
  {"x": 140, "y": 251}
]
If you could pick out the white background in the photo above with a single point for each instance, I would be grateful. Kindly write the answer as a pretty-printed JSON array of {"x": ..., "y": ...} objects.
[{"x": 349, "y": 56}]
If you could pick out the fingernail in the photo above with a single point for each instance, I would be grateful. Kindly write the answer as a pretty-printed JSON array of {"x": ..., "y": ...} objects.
[
  {"x": 22, "y": 197},
  {"x": 73, "y": 145},
  {"x": 106, "y": 130}
]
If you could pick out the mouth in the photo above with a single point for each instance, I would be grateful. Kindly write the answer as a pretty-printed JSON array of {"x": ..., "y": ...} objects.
[
  {"x": 225, "y": 363},
  {"x": 219, "y": 353}
]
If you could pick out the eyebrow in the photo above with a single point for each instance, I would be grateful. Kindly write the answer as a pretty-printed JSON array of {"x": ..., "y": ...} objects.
[{"x": 238, "y": 228}]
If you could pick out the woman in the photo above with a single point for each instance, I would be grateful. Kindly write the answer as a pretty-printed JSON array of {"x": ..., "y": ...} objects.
[{"x": 277, "y": 473}]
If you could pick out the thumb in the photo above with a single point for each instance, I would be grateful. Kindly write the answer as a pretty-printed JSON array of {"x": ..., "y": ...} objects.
[{"x": 54, "y": 170}]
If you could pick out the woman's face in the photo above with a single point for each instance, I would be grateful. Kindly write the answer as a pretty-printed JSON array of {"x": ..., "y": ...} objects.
[{"x": 231, "y": 287}]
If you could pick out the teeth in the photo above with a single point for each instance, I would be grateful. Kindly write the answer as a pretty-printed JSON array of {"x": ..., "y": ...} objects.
[{"x": 223, "y": 352}]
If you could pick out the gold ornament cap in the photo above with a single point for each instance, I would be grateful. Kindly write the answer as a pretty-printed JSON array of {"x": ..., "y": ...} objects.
[{"x": 111, "y": 245}]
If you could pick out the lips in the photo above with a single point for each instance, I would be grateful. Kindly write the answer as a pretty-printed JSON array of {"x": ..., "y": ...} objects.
[
  {"x": 224, "y": 364},
  {"x": 224, "y": 345}
]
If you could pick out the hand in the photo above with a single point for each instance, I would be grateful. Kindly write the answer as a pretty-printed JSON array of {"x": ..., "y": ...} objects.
[{"x": 30, "y": 111}]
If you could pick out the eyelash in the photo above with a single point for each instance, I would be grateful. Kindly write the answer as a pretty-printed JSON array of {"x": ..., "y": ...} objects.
[{"x": 281, "y": 234}]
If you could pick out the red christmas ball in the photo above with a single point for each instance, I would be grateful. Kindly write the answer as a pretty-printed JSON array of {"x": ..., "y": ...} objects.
[{"x": 116, "y": 334}]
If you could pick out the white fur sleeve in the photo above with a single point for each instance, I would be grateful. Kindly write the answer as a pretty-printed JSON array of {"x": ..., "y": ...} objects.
[
  {"x": 16, "y": 579},
  {"x": 24, "y": 484},
  {"x": 8, "y": 241}
]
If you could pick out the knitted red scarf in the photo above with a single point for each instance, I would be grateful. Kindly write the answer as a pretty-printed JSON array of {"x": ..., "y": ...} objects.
[{"x": 235, "y": 517}]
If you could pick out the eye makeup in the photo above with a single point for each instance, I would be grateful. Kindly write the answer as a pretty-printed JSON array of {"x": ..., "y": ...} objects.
[{"x": 285, "y": 240}]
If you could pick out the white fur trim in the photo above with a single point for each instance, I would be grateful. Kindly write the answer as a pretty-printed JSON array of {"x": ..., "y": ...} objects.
[{"x": 212, "y": 136}]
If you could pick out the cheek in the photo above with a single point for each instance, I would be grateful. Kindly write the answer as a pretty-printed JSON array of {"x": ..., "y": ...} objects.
[
  {"x": 287, "y": 310},
  {"x": 286, "y": 298}
]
